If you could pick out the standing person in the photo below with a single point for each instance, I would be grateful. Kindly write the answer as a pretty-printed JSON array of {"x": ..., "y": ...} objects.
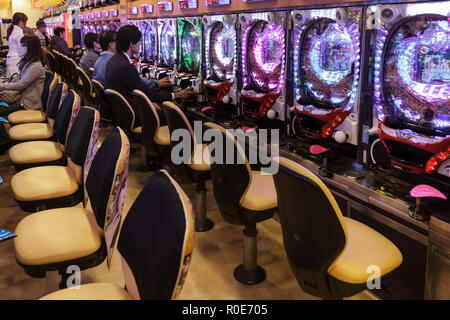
[
  {"x": 90, "y": 56},
  {"x": 41, "y": 33},
  {"x": 13, "y": 35},
  {"x": 26, "y": 90}
]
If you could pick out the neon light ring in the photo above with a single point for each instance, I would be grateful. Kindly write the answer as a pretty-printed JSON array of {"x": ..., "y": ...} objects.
[{"x": 329, "y": 72}]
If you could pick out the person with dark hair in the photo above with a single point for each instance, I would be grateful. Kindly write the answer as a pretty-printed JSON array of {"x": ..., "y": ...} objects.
[
  {"x": 30, "y": 83},
  {"x": 107, "y": 40},
  {"x": 58, "y": 43},
  {"x": 13, "y": 35},
  {"x": 123, "y": 77},
  {"x": 90, "y": 56},
  {"x": 41, "y": 33}
]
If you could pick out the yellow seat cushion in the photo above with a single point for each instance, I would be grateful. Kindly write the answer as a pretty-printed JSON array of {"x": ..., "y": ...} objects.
[
  {"x": 47, "y": 182},
  {"x": 137, "y": 130},
  {"x": 35, "y": 152},
  {"x": 57, "y": 235},
  {"x": 163, "y": 136},
  {"x": 261, "y": 195},
  {"x": 365, "y": 247},
  {"x": 91, "y": 291},
  {"x": 200, "y": 160},
  {"x": 26, "y": 116},
  {"x": 30, "y": 131}
]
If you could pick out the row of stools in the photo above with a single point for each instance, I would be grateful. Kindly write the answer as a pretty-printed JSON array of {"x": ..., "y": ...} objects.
[
  {"x": 328, "y": 253},
  {"x": 75, "y": 194}
]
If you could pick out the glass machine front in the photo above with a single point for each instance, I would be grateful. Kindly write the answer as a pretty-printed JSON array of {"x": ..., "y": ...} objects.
[
  {"x": 263, "y": 64},
  {"x": 150, "y": 45},
  {"x": 189, "y": 52},
  {"x": 326, "y": 73},
  {"x": 167, "y": 43},
  {"x": 220, "y": 59},
  {"x": 189, "y": 42},
  {"x": 412, "y": 86}
]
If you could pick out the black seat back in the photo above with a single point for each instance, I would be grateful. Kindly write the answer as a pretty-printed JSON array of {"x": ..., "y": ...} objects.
[
  {"x": 177, "y": 120},
  {"x": 231, "y": 177},
  {"x": 87, "y": 87},
  {"x": 156, "y": 240},
  {"x": 100, "y": 101},
  {"x": 49, "y": 76},
  {"x": 65, "y": 116},
  {"x": 122, "y": 112},
  {"x": 313, "y": 228},
  {"x": 110, "y": 166},
  {"x": 150, "y": 120},
  {"x": 55, "y": 100}
]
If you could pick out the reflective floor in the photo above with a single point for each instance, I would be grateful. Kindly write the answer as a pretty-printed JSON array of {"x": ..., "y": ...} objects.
[{"x": 216, "y": 253}]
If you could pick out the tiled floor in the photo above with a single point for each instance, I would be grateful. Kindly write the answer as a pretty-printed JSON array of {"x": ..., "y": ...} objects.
[{"x": 216, "y": 254}]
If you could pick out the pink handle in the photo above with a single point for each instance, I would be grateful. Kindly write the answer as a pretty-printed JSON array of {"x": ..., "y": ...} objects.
[
  {"x": 248, "y": 129},
  {"x": 206, "y": 108},
  {"x": 424, "y": 190},
  {"x": 316, "y": 149}
]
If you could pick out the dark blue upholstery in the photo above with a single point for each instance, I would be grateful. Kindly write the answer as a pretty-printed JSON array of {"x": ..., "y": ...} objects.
[
  {"x": 152, "y": 237},
  {"x": 53, "y": 102},
  {"x": 101, "y": 174},
  {"x": 80, "y": 136},
  {"x": 63, "y": 117},
  {"x": 46, "y": 91}
]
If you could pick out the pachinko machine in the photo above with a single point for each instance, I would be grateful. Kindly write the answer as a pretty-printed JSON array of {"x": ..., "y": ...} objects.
[
  {"x": 220, "y": 85},
  {"x": 189, "y": 53},
  {"x": 412, "y": 88},
  {"x": 326, "y": 71},
  {"x": 263, "y": 65}
]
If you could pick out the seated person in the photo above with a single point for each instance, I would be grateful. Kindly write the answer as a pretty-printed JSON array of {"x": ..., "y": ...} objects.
[
  {"x": 26, "y": 90},
  {"x": 58, "y": 43},
  {"x": 121, "y": 75},
  {"x": 107, "y": 40},
  {"x": 90, "y": 56}
]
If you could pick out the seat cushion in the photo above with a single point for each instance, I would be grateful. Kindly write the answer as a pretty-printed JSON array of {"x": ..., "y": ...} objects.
[
  {"x": 57, "y": 235},
  {"x": 30, "y": 131},
  {"x": 200, "y": 160},
  {"x": 365, "y": 247},
  {"x": 91, "y": 291},
  {"x": 40, "y": 183},
  {"x": 26, "y": 116},
  {"x": 35, "y": 152},
  {"x": 261, "y": 194},
  {"x": 137, "y": 130},
  {"x": 163, "y": 136}
]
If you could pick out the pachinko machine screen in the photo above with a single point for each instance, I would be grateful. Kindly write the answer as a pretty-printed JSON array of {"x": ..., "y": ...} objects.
[
  {"x": 167, "y": 42},
  {"x": 150, "y": 42},
  {"x": 220, "y": 56},
  {"x": 263, "y": 62},
  {"x": 190, "y": 39},
  {"x": 412, "y": 84},
  {"x": 326, "y": 68}
]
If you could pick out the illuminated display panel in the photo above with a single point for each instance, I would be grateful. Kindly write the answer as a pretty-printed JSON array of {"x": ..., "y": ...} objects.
[
  {"x": 190, "y": 44},
  {"x": 98, "y": 15},
  {"x": 416, "y": 73},
  {"x": 167, "y": 44},
  {"x": 113, "y": 12},
  {"x": 133, "y": 11},
  {"x": 165, "y": 6},
  {"x": 188, "y": 4},
  {"x": 105, "y": 14},
  {"x": 91, "y": 16},
  {"x": 215, "y": 3},
  {"x": 146, "y": 8},
  {"x": 149, "y": 42}
]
